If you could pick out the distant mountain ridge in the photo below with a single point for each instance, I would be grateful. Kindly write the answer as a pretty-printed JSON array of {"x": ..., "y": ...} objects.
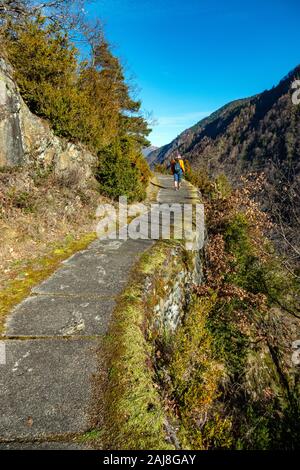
[
  {"x": 162, "y": 154},
  {"x": 148, "y": 150},
  {"x": 238, "y": 120},
  {"x": 256, "y": 134}
]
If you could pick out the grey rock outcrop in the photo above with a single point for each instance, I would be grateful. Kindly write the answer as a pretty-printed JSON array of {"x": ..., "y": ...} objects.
[{"x": 26, "y": 138}]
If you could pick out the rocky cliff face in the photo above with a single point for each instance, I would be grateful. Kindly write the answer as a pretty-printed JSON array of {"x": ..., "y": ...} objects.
[{"x": 26, "y": 138}]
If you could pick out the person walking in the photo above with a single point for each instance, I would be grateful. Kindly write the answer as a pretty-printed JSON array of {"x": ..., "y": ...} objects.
[{"x": 178, "y": 170}]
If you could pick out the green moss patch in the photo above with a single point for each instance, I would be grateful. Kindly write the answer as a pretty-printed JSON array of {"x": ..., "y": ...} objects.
[
  {"x": 135, "y": 412},
  {"x": 35, "y": 271}
]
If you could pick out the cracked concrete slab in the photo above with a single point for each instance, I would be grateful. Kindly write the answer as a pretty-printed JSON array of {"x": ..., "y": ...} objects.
[
  {"x": 88, "y": 273},
  {"x": 47, "y": 387},
  {"x": 49, "y": 315}
]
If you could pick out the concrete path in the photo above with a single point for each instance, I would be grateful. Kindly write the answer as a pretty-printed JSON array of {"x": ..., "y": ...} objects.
[{"x": 53, "y": 339}]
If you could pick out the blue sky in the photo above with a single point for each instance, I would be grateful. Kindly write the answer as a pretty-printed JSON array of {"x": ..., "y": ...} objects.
[{"x": 190, "y": 57}]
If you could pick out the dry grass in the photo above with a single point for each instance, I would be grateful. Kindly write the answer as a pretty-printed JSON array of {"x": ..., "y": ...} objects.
[
  {"x": 43, "y": 220},
  {"x": 37, "y": 211}
]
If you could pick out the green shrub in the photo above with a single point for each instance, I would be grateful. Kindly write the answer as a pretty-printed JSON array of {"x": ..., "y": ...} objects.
[
  {"x": 222, "y": 186},
  {"x": 23, "y": 200},
  {"x": 46, "y": 69},
  {"x": 198, "y": 178},
  {"x": 118, "y": 175},
  {"x": 85, "y": 101},
  {"x": 195, "y": 376},
  {"x": 248, "y": 331},
  {"x": 162, "y": 168}
]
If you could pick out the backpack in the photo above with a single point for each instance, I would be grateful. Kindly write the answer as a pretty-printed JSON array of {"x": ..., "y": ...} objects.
[{"x": 177, "y": 168}]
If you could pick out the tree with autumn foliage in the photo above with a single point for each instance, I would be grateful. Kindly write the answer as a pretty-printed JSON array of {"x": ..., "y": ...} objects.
[{"x": 227, "y": 374}]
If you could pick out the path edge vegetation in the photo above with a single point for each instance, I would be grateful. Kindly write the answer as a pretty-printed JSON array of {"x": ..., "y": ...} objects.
[
  {"x": 31, "y": 272},
  {"x": 135, "y": 416},
  {"x": 224, "y": 367}
]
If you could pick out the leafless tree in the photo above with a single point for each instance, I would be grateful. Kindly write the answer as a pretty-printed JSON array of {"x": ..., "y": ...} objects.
[
  {"x": 68, "y": 14},
  {"x": 283, "y": 203}
]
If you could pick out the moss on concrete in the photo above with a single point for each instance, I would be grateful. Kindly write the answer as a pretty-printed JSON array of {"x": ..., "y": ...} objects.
[
  {"x": 35, "y": 271},
  {"x": 135, "y": 411}
]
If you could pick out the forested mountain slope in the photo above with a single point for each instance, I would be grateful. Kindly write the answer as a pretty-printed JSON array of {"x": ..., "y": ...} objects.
[{"x": 257, "y": 134}]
